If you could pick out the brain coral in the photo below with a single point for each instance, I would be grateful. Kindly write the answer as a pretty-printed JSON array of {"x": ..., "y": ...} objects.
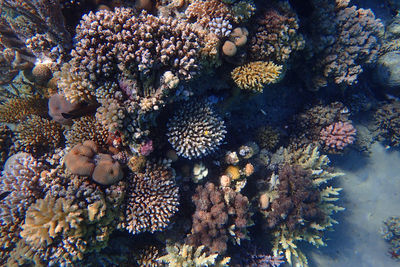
[
  {"x": 254, "y": 75},
  {"x": 195, "y": 130},
  {"x": 152, "y": 199}
]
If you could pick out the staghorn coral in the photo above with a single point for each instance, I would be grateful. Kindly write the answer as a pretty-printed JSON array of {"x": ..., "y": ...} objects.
[
  {"x": 276, "y": 35},
  {"x": 195, "y": 130},
  {"x": 388, "y": 122},
  {"x": 338, "y": 135},
  {"x": 152, "y": 199},
  {"x": 36, "y": 133},
  {"x": 17, "y": 109},
  {"x": 219, "y": 214},
  {"x": 87, "y": 128},
  {"x": 311, "y": 207},
  {"x": 185, "y": 255},
  {"x": 49, "y": 218},
  {"x": 255, "y": 75}
]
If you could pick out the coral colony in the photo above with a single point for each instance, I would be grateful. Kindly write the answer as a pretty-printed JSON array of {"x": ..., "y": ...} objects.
[{"x": 176, "y": 132}]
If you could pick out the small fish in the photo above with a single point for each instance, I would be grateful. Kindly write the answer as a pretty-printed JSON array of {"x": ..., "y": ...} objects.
[
  {"x": 4, "y": 195},
  {"x": 263, "y": 112},
  {"x": 83, "y": 109}
]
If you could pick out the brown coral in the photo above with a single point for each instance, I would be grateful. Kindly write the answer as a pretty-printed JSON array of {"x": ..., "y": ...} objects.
[
  {"x": 216, "y": 209},
  {"x": 203, "y": 11},
  {"x": 152, "y": 199},
  {"x": 255, "y": 75},
  {"x": 17, "y": 109},
  {"x": 37, "y": 133},
  {"x": 388, "y": 122}
]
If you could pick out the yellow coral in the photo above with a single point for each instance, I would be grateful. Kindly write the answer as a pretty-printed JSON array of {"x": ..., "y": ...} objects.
[
  {"x": 49, "y": 218},
  {"x": 233, "y": 172},
  {"x": 185, "y": 255},
  {"x": 254, "y": 75}
]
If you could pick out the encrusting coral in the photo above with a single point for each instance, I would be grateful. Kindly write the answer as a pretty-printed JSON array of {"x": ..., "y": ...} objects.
[
  {"x": 185, "y": 255},
  {"x": 195, "y": 130},
  {"x": 152, "y": 199},
  {"x": 255, "y": 75}
]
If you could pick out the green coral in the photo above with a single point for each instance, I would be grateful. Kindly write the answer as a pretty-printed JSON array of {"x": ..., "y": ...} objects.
[{"x": 188, "y": 256}]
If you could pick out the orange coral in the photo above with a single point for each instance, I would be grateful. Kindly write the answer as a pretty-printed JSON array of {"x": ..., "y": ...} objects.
[{"x": 254, "y": 75}]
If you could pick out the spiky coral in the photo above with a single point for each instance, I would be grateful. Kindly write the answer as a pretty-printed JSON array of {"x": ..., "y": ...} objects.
[
  {"x": 152, "y": 199},
  {"x": 195, "y": 130},
  {"x": 17, "y": 109},
  {"x": 185, "y": 255},
  {"x": 255, "y": 75},
  {"x": 36, "y": 133},
  {"x": 312, "y": 168}
]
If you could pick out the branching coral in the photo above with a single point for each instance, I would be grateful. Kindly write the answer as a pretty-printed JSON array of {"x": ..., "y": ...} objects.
[
  {"x": 49, "y": 218},
  {"x": 87, "y": 128},
  {"x": 17, "y": 109},
  {"x": 391, "y": 233},
  {"x": 338, "y": 135},
  {"x": 255, "y": 75},
  {"x": 297, "y": 206},
  {"x": 219, "y": 214},
  {"x": 276, "y": 35},
  {"x": 36, "y": 133},
  {"x": 195, "y": 130},
  {"x": 5, "y": 143},
  {"x": 388, "y": 122},
  {"x": 152, "y": 199},
  {"x": 185, "y": 255},
  {"x": 203, "y": 12}
]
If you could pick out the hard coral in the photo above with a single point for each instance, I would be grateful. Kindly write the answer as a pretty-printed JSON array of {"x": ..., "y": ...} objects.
[
  {"x": 185, "y": 255},
  {"x": 195, "y": 130},
  {"x": 204, "y": 11},
  {"x": 152, "y": 199},
  {"x": 276, "y": 35},
  {"x": 216, "y": 209},
  {"x": 36, "y": 134},
  {"x": 49, "y": 218},
  {"x": 338, "y": 135},
  {"x": 17, "y": 109},
  {"x": 255, "y": 75},
  {"x": 388, "y": 122},
  {"x": 79, "y": 158}
]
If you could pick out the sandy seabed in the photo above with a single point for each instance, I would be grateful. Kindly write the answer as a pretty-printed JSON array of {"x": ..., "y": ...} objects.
[{"x": 371, "y": 193}]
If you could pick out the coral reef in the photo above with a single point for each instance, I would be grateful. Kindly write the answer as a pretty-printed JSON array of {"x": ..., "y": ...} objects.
[
  {"x": 337, "y": 136},
  {"x": 152, "y": 199},
  {"x": 255, "y": 75},
  {"x": 276, "y": 35},
  {"x": 185, "y": 255},
  {"x": 37, "y": 133},
  {"x": 49, "y": 218},
  {"x": 17, "y": 109},
  {"x": 219, "y": 214},
  {"x": 391, "y": 232},
  {"x": 299, "y": 194},
  {"x": 388, "y": 122},
  {"x": 195, "y": 130},
  {"x": 267, "y": 137},
  {"x": 5, "y": 144}
]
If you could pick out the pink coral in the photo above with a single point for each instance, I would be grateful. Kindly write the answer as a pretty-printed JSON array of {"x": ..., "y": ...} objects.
[
  {"x": 146, "y": 148},
  {"x": 338, "y": 135}
]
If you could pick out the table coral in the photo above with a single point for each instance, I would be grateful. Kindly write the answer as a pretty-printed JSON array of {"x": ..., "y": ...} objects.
[
  {"x": 195, "y": 130},
  {"x": 255, "y": 75},
  {"x": 152, "y": 199}
]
